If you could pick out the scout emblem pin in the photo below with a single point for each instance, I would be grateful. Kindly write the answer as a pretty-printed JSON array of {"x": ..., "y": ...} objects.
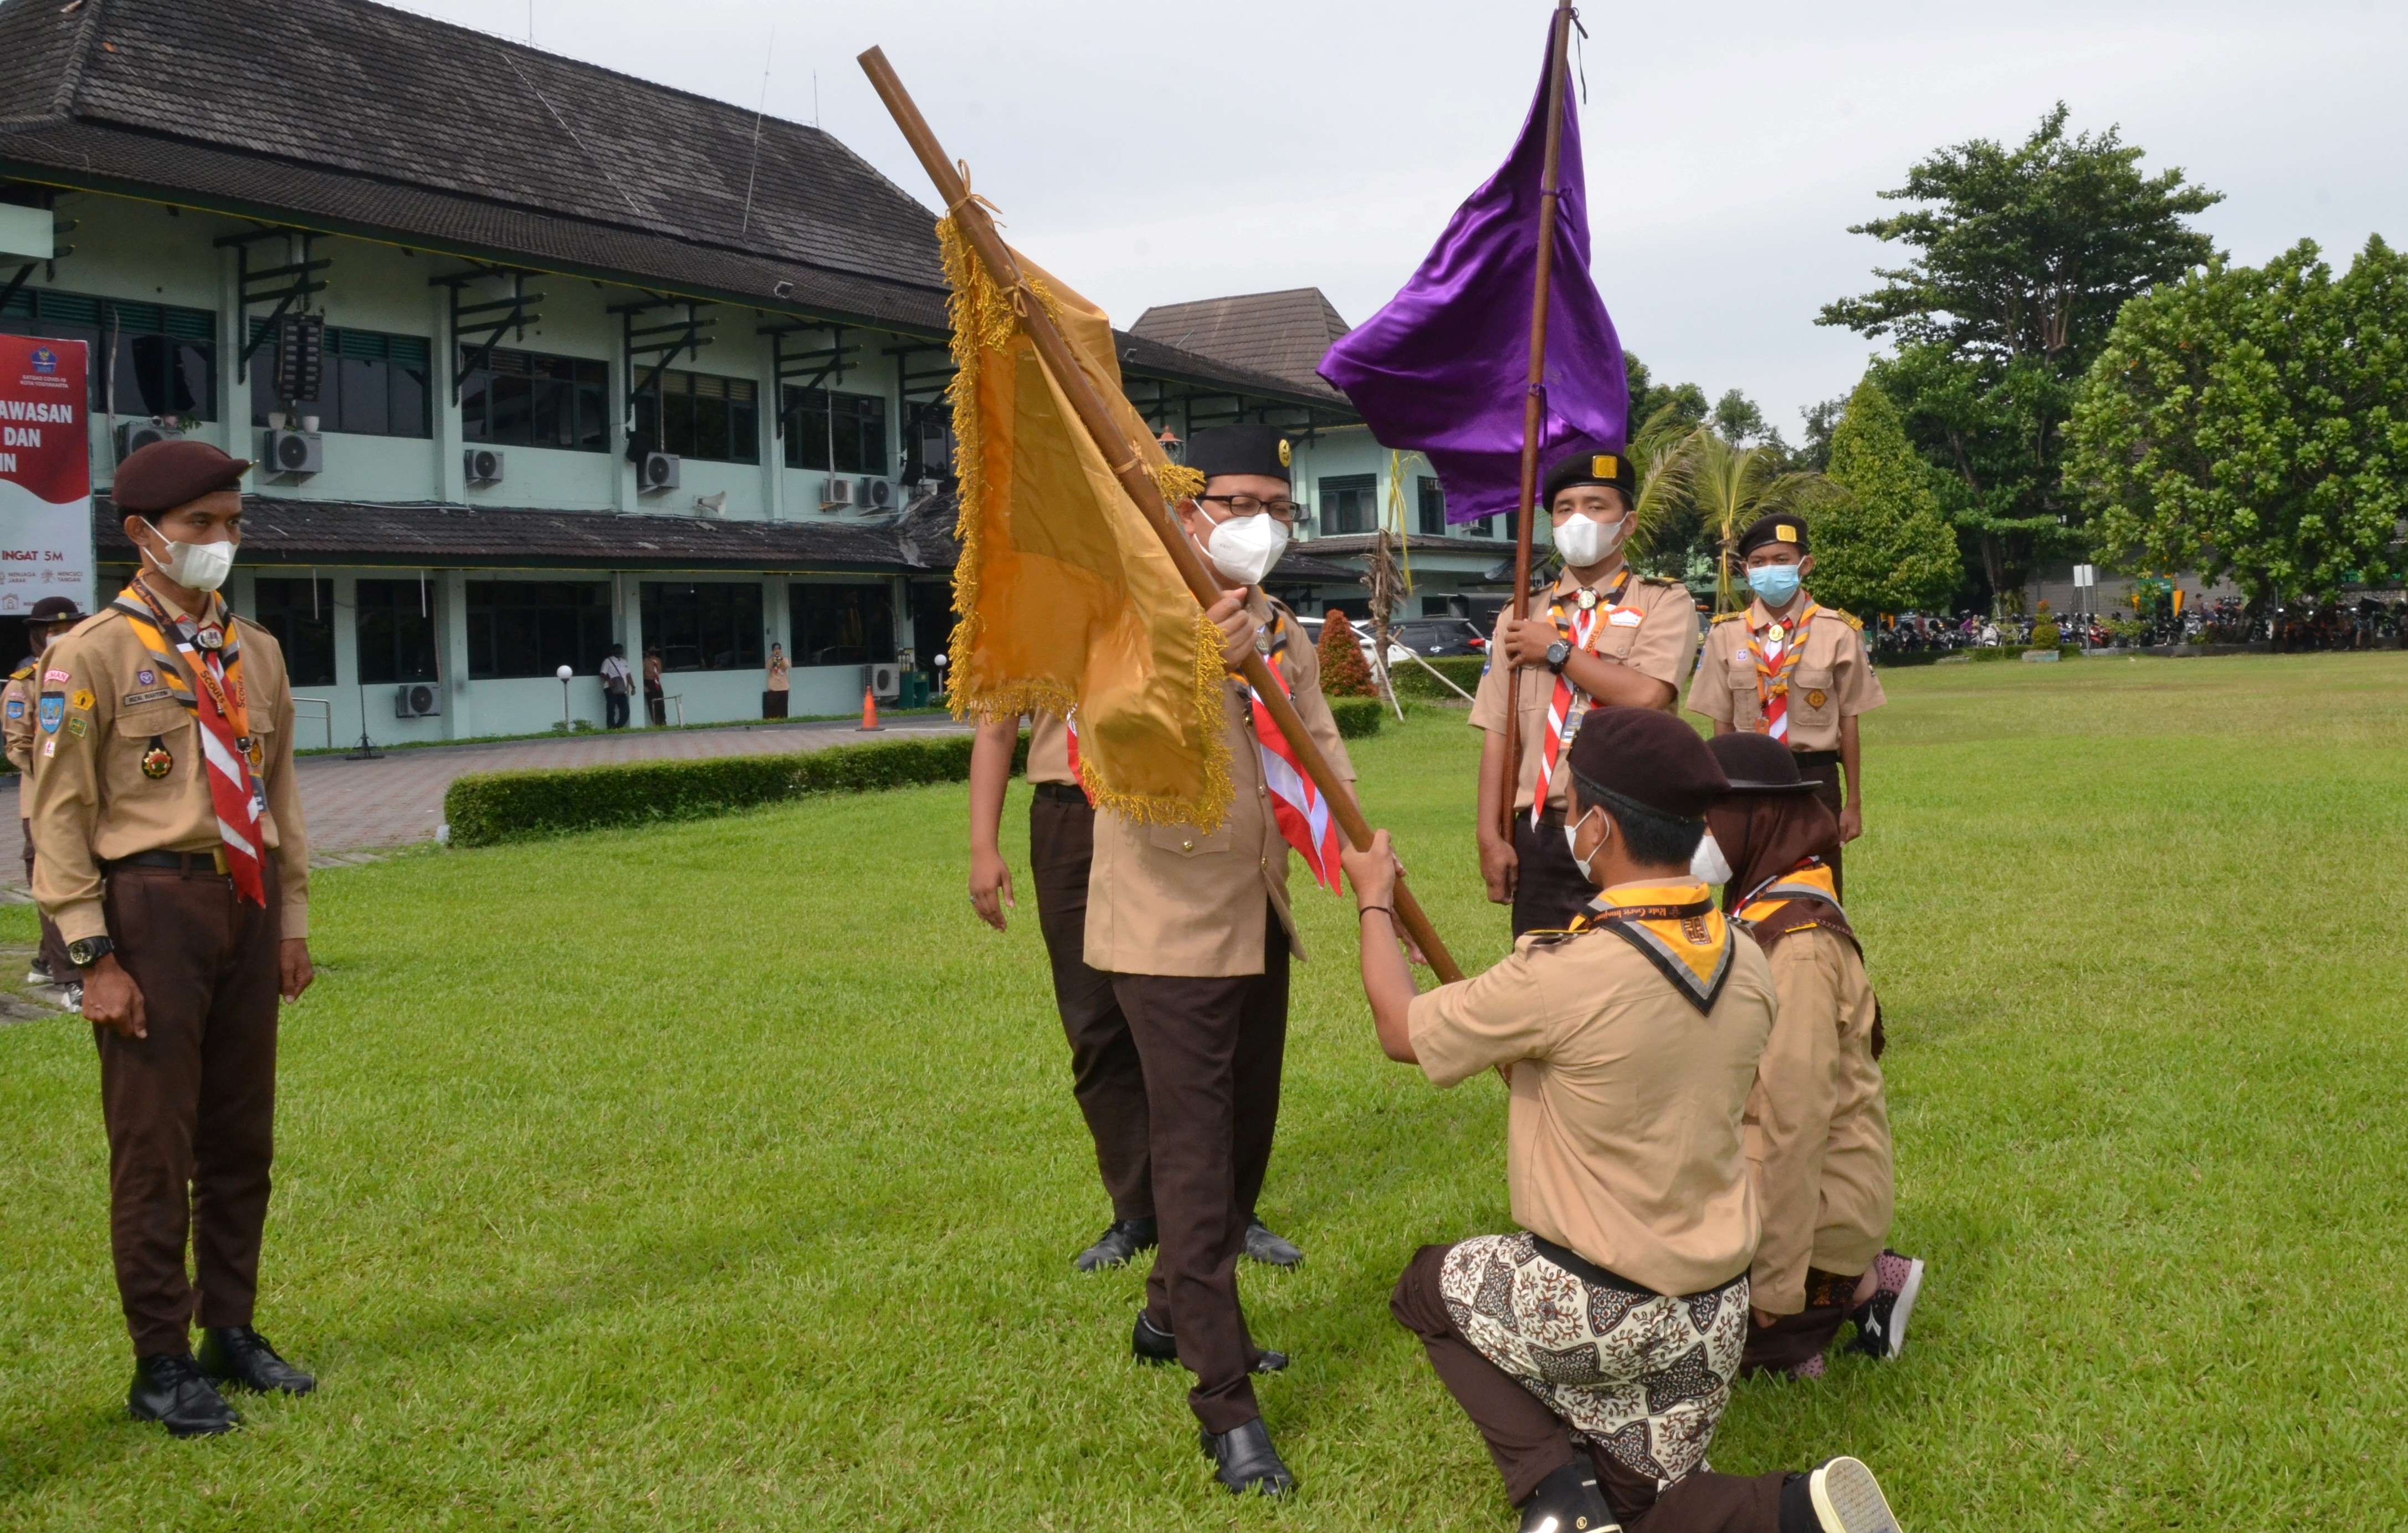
[
  {"x": 156, "y": 761},
  {"x": 209, "y": 638},
  {"x": 1816, "y": 699},
  {"x": 1587, "y": 600}
]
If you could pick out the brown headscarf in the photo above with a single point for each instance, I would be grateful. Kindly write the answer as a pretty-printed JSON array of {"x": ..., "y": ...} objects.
[{"x": 1765, "y": 826}]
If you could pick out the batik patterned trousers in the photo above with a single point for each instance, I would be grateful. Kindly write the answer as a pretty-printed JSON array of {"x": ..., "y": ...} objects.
[{"x": 1642, "y": 1376}]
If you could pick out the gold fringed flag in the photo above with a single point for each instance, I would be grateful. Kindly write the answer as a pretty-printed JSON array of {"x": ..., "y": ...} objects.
[{"x": 1064, "y": 596}]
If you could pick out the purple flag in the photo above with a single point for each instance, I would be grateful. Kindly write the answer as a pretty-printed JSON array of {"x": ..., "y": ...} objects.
[{"x": 1443, "y": 368}]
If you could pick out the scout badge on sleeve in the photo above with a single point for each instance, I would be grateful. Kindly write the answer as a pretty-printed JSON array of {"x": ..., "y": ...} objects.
[{"x": 52, "y": 708}]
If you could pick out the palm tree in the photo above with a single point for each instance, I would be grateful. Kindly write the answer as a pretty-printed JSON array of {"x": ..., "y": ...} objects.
[{"x": 1723, "y": 487}]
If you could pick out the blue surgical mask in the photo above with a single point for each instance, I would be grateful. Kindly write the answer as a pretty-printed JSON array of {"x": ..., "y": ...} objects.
[{"x": 1773, "y": 584}]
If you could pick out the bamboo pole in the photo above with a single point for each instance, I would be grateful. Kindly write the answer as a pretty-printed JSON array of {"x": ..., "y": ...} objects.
[
  {"x": 1550, "y": 196},
  {"x": 1100, "y": 424}
]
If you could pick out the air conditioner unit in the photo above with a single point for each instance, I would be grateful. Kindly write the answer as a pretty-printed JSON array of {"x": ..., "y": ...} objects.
[
  {"x": 416, "y": 699},
  {"x": 836, "y": 494},
  {"x": 133, "y": 435},
  {"x": 657, "y": 471},
  {"x": 878, "y": 494},
  {"x": 483, "y": 465},
  {"x": 883, "y": 678},
  {"x": 295, "y": 451}
]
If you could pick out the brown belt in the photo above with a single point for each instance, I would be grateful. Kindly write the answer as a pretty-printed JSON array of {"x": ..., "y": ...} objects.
[{"x": 212, "y": 862}]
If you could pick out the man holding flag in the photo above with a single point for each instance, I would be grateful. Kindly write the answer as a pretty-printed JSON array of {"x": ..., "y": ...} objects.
[{"x": 1198, "y": 944}]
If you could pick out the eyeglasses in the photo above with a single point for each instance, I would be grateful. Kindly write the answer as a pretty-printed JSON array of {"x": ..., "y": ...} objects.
[{"x": 1282, "y": 512}]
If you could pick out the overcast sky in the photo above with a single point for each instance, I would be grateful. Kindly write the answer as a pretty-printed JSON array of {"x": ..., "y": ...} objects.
[{"x": 1150, "y": 153}]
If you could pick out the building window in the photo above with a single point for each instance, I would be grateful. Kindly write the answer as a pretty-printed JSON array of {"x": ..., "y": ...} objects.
[
  {"x": 843, "y": 433},
  {"x": 528, "y": 399},
  {"x": 372, "y": 384},
  {"x": 532, "y": 627},
  {"x": 396, "y": 622},
  {"x": 703, "y": 626},
  {"x": 1432, "y": 510},
  {"x": 842, "y": 624},
  {"x": 164, "y": 361},
  {"x": 301, "y": 615},
  {"x": 694, "y": 414},
  {"x": 1349, "y": 503}
]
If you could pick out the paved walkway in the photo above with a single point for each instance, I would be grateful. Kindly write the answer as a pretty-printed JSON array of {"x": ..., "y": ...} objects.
[{"x": 357, "y": 808}]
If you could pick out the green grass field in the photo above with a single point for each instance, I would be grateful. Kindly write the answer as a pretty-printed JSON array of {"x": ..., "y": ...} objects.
[{"x": 726, "y": 1176}]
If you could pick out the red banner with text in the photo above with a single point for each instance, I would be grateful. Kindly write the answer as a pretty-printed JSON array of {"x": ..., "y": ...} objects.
[{"x": 44, "y": 472}]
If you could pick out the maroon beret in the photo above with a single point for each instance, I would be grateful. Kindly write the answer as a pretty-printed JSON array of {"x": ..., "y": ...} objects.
[
  {"x": 166, "y": 475},
  {"x": 1650, "y": 758}
]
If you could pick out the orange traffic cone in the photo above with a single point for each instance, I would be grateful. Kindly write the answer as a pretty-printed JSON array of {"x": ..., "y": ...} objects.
[{"x": 868, "y": 712}]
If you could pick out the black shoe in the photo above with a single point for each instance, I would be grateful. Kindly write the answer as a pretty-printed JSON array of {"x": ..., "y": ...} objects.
[
  {"x": 1269, "y": 1249},
  {"x": 1569, "y": 1501},
  {"x": 237, "y": 1354},
  {"x": 1881, "y": 1320},
  {"x": 1151, "y": 1343},
  {"x": 1244, "y": 1460},
  {"x": 168, "y": 1389},
  {"x": 1122, "y": 1240}
]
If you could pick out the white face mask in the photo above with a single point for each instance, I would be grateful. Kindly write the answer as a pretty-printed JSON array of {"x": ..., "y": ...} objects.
[
  {"x": 1584, "y": 543},
  {"x": 194, "y": 566},
  {"x": 1244, "y": 548},
  {"x": 1572, "y": 844},
  {"x": 1710, "y": 863}
]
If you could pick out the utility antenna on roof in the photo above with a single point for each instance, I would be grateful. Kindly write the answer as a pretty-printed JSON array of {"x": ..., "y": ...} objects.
[{"x": 758, "y": 112}]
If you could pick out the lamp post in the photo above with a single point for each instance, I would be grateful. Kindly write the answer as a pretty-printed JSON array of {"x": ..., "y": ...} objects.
[
  {"x": 941, "y": 661},
  {"x": 563, "y": 674}
]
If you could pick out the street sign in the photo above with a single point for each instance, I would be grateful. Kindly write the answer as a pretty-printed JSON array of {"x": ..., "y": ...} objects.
[{"x": 44, "y": 472}]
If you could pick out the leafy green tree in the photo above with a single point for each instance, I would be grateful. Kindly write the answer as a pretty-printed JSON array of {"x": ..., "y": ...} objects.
[
  {"x": 2023, "y": 257},
  {"x": 1685, "y": 403},
  {"x": 1883, "y": 546},
  {"x": 2253, "y": 423},
  {"x": 1814, "y": 450}
]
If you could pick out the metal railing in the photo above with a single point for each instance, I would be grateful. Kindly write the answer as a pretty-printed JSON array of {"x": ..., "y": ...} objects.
[{"x": 325, "y": 714}]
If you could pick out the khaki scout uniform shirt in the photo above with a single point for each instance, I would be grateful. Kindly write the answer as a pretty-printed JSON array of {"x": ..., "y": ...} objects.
[
  {"x": 1049, "y": 750},
  {"x": 1170, "y": 900},
  {"x": 92, "y": 804},
  {"x": 1660, "y": 640},
  {"x": 1817, "y": 1124},
  {"x": 1624, "y": 1136},
  {"x": 1833, "y": 679},
  {"x": 17, "y": 729}
]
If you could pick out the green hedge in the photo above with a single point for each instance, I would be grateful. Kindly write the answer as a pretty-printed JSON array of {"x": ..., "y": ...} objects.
[
  {"x": 1357, "y": 716},
  {"x": 1414, "y": 682},
  {"x": 488, "y": 807}
]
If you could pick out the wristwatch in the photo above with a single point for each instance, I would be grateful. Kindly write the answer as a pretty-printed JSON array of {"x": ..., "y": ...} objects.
[
  {"x": 86, "y": 951},
  {"x": 1558, "y": 652}
]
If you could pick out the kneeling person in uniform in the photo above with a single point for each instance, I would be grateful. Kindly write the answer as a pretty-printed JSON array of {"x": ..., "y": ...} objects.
[
  {"x": 1599, "y": 636},
  {"x": 1595, "y": 1349},
  {"x": 169, "y": 848},
  {"x": 1817, "y": 1123}
]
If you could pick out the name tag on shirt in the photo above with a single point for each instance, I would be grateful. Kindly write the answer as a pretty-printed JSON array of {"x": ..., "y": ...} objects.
[{"x": 1624, "y": 617}]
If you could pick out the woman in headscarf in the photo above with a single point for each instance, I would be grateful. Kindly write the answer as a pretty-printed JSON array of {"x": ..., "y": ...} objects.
[{"x": 1817, "y": 1123}]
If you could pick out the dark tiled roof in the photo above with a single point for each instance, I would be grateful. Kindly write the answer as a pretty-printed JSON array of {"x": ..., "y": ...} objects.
[
  {"x": 1283, "y": 334},
  {"x": 350, "y": 117},
  {"x": 1304, "y": 570},
  {"x": 277, "y": 529}
]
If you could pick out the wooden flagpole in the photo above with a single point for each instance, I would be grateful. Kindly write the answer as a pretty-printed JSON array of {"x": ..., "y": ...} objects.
[
  {"x": 1533, "y": 420},
  {"x": 1136, "y": 480}
]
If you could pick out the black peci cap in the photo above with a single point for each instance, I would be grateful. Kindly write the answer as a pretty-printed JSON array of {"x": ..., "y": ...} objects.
[
  {"x": 1249, "y": 449},
  {"x": 1650, "y": 758},
  {"x": 1588, "y": 463},
  {"x": 1781, "y": 528}
]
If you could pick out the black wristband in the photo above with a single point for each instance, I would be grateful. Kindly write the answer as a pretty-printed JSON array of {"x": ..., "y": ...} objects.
[{"x": 1363, "y": 910}]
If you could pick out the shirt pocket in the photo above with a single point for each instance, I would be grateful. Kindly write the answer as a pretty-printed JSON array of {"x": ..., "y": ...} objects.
[
  {"x": 1812, "y": 697},
  {"x": 151, "y": 748},
  {"x": 1186, "y": 841}
]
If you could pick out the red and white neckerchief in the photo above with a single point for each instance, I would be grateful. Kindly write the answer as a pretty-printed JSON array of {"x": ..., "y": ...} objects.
[
  {"x": 1591, "y": 612},
  {"x": 1303, "y": 814},
  {"x": 1776, "y": 647},
  {"x": 212, "y": 656},
  {"x": 1070, "y": 727}
]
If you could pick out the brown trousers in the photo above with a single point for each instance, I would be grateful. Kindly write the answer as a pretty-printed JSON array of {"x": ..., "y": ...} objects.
[
  {"x": 1548, "y": 889},
  {"x": 54, "y": 947},
  {"x": 1792, "y": 1340},
  {"x": 1821, "y": 769},
  {"x": 1211, "y": 1049},
  {"x": 1529, "y": 1442},
  {"x": 1105, "y": 1075},
  {"x": 190, "y": 1109}
]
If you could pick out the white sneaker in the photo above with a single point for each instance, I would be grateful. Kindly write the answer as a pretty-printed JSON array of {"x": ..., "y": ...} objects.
[
  {"x": 71, "y": 997},
  {"x": 1848, "y": 1501},
  {"x": 37, "y": 976}
]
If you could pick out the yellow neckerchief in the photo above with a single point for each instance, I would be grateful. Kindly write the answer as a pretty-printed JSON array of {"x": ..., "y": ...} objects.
[
  {"x": 1773, "y": 680},
  {"x": 1811, "y": 881},
  {"x": 1599, "y": 598},
  {"x": 1675, "y": 925}
]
